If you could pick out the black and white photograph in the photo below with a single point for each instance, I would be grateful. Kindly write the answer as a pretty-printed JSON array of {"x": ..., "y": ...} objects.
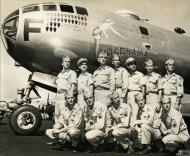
[{"x": 94, "y": 77}]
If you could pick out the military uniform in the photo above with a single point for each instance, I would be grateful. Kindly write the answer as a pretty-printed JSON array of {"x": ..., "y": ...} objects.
[
  {"x": 174, "y": 128},
  {"x": 121, "y": 82},
  {"x": 149, "y": 122},
  {"x": 104, "y": 83},
  {"x": 136, "y": 81},
  {"x": 120, "y": 121},
  {"x": 69, "y": 126},
  {"x": 85, "y": 80},
  {"x": 64, "y": 81},
  {"x": 96, "y": 122},
  {"x": 172, "y": 86},
  {"x": 152, "y": 84}
]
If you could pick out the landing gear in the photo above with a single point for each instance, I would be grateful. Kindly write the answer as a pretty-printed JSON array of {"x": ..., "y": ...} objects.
[{"x": 26, "y": 116}]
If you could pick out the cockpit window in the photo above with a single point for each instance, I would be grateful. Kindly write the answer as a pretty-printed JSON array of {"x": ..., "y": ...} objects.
[
  {"x": 143, "y": 30},
  {"x": 49, "y": 8},
  {"x": 31, "y": 9},
  {"x": 81, "y": 11},
  {"x": 10, "y": 27},
  {"x": 66, "y": 8}
]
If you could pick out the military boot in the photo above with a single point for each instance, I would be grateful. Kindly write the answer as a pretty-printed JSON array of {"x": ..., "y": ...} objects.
[{"x": 147, "y": 149}]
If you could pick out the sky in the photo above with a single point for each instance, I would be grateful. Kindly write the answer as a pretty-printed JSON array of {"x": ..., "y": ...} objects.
[{"x": 163, "y": 13}]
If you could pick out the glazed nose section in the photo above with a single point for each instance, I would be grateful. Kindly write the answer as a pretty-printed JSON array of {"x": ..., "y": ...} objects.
[{"x": 9, "y": 31}]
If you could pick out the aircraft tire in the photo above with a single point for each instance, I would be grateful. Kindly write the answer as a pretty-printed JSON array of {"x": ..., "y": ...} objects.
[{"x": 25, "y": 120}]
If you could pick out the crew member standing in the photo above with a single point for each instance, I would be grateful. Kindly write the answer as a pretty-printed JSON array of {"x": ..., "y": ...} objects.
[
  {"x": 66, "y": 81},
  {"x": 136, "y": 85},
  {"x": 152, "y": 83},
  {"x": 85, "y": 80},
  {"x": 172, "y": 85},
  {"x": 104, "y": 79},
  {"x": 121, "y": 78}
]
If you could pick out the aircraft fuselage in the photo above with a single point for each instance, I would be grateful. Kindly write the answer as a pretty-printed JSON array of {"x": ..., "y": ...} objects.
[{"x": 44, "y": 37}]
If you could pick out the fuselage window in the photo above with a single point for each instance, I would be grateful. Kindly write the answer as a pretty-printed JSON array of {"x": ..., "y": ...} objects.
[
  {"x": 49, "y": 8},
  {"x": 143, "y": 30},
  {"x": 81, "y": 11},
  {"x": 66, "y": 8},
  {"x": 31, "y": 9}
]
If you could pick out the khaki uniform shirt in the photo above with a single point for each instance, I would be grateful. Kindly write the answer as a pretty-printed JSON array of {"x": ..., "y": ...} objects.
[
  {"x": 149, "y": 116},
  {"x": 84, "y": 81},
  {"x": 173, "y": 123},
  {"x": 136, "y": 81},
  {"x": 122, "y": 79},
  {"x": 152, "y": 82},
  {"x": 104, "y": 78},
  {"x": 72, "y": 118},
  {"x": 65, "y": 79},
  {"x": 97, "y": 118},
  {"x": 121, "y": 116},
  {"x": 172, "y": 85}
]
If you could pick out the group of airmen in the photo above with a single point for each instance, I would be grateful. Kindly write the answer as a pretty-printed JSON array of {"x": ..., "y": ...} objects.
[{"x": 119, "y": 107}]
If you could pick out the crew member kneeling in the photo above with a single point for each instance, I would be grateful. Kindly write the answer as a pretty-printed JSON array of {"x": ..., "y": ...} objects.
[
  {"x": 96, "y": 121},
  {"x": 121, "y": 117},
  {"x": 147, "y": 124},
  {"x": 70, "y": 122},
  {"x": 173, "y": 127}
]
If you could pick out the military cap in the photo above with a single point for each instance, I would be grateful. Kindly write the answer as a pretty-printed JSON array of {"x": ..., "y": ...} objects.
[
  {"x": 81, "y": 60},
  {"x": 170, "y": 61},
  {"x": 130, "y": 60}
]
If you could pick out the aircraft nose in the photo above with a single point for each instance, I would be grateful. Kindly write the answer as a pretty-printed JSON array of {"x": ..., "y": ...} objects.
[{"x": 9, "y": 31}]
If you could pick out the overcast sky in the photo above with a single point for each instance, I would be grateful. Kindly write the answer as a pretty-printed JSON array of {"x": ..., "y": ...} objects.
[{"x": 164, "y": 13}]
